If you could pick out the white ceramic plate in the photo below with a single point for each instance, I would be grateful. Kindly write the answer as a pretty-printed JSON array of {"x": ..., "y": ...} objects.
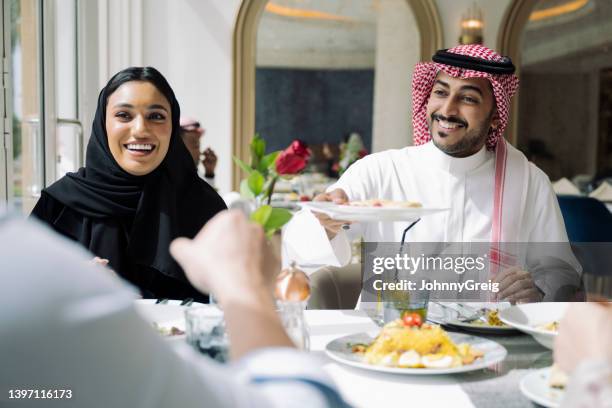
[
  {"x": 535, "y": 387},
  {"x": 448, "y": 317},
  {"x": 350, "y": 213},
  {"x": 527, "y": 317},
  {"x": 340, "y": 350},
  {"x": 165, "y": 315}
]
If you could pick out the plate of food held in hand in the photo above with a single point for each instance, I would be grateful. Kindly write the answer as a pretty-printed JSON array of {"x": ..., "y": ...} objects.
[
  {"x": 402, "y": 347},
  {"x": 373, "y": 210}
]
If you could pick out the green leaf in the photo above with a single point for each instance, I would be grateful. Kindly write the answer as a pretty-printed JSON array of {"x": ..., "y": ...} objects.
[
  {"x": 245, "y": 191},
  {"x": 268, "y": 161},
  {"x": 278, "y": 218},
  {"x": 245, "y": 167},
  {"x": 258, "y": 149},
  {"x": 261, "y": 215},
  {"x": 271, "y": 219},
  {"x": 256, "y": 182},
  {"x": 258, "y": 146}
]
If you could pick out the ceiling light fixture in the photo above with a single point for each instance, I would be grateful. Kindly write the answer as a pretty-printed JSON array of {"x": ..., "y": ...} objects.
[
  {"x": 555, "y": 11},
  {"x": 274, "y": 8},
  {"x": 471, "y": 27}
]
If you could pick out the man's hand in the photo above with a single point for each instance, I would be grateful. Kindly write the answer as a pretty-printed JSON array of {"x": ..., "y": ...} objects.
[
  {"x": 517, "y": 286},
  {"x": 226, "y": 257},
  {"x": 209, "y": 161},
  {"x": 585, "y": 332},
  {"x": 332, "y": 227}
]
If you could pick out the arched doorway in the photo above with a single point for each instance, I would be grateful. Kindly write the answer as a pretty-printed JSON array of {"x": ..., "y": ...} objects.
[
  {"x": 563, "y": 49},
  {"x": 244, "y": 52}
]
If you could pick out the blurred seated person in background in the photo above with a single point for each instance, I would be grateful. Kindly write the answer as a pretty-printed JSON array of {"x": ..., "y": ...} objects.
[
  {"x": 192, "y": 133},
  {"x": 139, "y": 189},
  {"x": 583, "y": 350},
  {"x": 68, "y": 324}
]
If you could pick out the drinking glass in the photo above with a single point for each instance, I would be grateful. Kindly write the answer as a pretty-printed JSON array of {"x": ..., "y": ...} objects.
[
  {"x": 397, "y": 304},
  {"x": 205, "y": 331}
]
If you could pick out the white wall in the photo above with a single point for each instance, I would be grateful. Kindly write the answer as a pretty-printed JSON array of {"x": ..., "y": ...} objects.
[
  {"x": 190, "y": 42},
  {"x": 397, "y": 51}
]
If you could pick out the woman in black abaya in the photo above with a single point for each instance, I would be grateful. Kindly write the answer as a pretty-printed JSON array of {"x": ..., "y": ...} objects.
[{"x": 139, "y": 188}]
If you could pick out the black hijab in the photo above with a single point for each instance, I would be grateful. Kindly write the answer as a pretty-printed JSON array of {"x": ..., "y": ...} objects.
[{"x": 131, "y": 220}]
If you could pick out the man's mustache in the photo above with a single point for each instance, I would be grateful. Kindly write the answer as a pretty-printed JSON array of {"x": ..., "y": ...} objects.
[{"x": 450, "y": 119}]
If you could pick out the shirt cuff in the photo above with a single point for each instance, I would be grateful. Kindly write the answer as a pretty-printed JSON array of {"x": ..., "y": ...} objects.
[
  {"x": 284, "y": 373},
  {"x": 342, "y": 248}
]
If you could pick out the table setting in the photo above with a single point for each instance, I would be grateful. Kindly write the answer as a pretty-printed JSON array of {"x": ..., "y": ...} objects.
[{"x": 513, "y": 372}]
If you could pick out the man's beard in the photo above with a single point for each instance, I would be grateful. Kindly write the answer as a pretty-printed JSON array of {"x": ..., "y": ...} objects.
[{"x": 469, "y": 143}]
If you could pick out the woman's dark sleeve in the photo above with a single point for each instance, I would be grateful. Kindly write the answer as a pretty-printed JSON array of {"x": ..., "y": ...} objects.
[{"x": 46, "y": 209}]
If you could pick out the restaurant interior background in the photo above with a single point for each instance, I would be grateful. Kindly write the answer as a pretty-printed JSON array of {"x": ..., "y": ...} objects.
[{"x": 317, "y": 70}]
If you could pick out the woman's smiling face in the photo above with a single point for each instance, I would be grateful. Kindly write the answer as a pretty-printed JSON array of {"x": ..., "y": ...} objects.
[{"x": 138, "y": 126}]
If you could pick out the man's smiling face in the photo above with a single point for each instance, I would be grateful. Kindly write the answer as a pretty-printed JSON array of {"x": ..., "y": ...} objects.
[{"x": 460, "y": 113}]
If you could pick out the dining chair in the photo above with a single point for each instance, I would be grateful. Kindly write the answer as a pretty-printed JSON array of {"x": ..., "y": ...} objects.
[
  {"x": 335, "y": 288},
  {"x": 589, "y": 228}
]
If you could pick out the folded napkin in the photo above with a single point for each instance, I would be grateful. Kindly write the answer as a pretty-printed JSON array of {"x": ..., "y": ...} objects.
[
  {"x": 603, "y": 192},
  {"x": 565, "y": 187}
]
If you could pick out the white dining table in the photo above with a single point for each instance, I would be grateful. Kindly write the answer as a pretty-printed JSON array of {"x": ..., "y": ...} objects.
[
  {"x": 494, "y": 386},
  {"x": 365, "y": 388}
]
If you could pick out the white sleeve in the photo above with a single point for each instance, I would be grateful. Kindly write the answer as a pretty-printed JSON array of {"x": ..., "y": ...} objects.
[
  {"x": 306, "y": 243},
  {"x": 550, "y": 259},
  {"x": 305, "y": 240},
  {"x": 357, "y": 181},
  {"x": 65, "y": 324}
]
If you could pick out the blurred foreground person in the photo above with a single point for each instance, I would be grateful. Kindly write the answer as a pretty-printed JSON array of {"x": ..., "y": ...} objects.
[
  {"x": 67, "y": 324},
  {"x": 583, "y": 350}
]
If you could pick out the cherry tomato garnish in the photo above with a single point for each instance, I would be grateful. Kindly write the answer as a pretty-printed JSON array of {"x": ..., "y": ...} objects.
[{"x": 412, "y": 320}]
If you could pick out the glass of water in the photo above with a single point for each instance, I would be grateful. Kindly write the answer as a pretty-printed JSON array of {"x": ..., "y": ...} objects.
[{"x": 205, "y": 331}]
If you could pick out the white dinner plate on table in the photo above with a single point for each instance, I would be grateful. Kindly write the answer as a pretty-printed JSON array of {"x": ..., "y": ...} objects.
[
  {"x": 340, "y": 350},
  {"x": 354, "y": 213},
  {"x": 448, "y": 314},
  {"x": 535, "y": 387},
  {"x": 529, "y": 316},
  {"x": 166, "y": 315}
]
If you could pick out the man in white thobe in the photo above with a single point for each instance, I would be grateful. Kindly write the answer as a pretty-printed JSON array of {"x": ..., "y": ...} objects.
[{"x": 460, "y": 161}]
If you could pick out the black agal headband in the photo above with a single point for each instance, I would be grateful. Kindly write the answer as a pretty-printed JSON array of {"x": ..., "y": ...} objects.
[{"x": 503, "y": 67}]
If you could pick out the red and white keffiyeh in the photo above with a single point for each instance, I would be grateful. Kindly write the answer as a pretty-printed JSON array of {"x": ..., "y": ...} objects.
[
  {"x": 509, "y": 195},
  {"x": 504, "y": 86}
]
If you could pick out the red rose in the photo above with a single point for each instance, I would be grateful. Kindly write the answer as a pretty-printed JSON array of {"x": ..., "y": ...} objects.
[
  {"x": 290, "y": 163},
  {"x": 362, "y": 153},
  {"x": 298, "y": 147},
  {"x": 293, "y": 159}
]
